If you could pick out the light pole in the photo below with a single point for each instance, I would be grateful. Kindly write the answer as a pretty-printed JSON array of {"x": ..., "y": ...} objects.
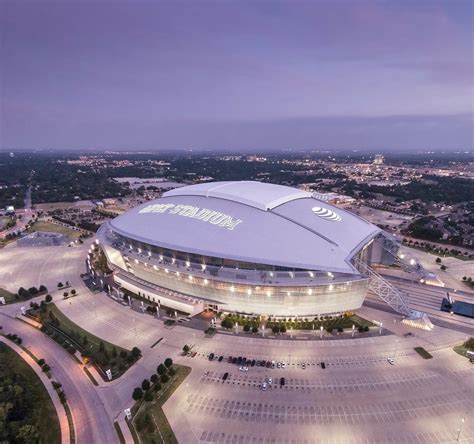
[
  {"x": 395, "y": 348},
  {"x": 460, "y": 429},
  {"x": 321, "y": 332}
]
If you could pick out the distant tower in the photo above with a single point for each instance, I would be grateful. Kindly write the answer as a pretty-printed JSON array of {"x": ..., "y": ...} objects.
[{"x": 379, "y": 159}]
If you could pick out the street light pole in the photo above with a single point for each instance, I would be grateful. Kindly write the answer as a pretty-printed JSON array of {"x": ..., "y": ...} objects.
[{"x": 460, "y": 428}]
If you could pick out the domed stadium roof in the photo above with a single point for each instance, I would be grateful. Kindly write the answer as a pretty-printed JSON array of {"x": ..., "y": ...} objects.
[{"x": 250, "y": 222}]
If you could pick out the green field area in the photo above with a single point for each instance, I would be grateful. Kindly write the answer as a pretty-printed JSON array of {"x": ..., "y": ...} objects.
[
  {"x": 465, "y": 347},
  {"x": 8, "y": 295},
  {"x": 53, "y": 228},
  {"x": 67, "y": 333},
  {"x": 150, "y": 422},
  {"x": 27, "y": 412}
]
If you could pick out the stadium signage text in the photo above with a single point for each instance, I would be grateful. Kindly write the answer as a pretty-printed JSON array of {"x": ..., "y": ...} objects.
[{"x": 204, "y": 214}]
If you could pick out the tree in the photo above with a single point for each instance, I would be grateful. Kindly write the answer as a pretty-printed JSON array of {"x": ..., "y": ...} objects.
[
  {"x": 282, "y": 328},
  {"x": 73, "y": 291},
  {"x": 48, "y": 298},
  {"x": 161, "y": 369},
  {"x": 246, "y": 328},
  {"x": 154, "y": 378},
  {"x": 146, "y": 384},
  {"x": 136, "y": 353},
  {"x": 275, "y": 329},
  {"x": 443, "y": 267},
  {"x": 60, "y": 285},
  {"x": 186, "y": 348},
  {"x": 168, "y": 362},
  {"x": 438, "y": 260},
  {"x": 42, "y": 289},
  {"x": 148, "y": 396},
  {"x": 165, "y": 378},
  {"x": 137, "y": 394},
  {"x": 65, "y": 294},
  {"x": 254, "y": 329}
]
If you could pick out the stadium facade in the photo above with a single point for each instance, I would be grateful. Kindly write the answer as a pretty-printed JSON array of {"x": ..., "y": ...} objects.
[{"x": 246, "y": 247}]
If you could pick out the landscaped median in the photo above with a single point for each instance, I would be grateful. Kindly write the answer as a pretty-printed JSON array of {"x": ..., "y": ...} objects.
[
  {"x": 466, "y": 349},
  {"x": 104, "y": 355},
  {"x": 149, "y": 420},
  {"x": 329, "y": 323}
]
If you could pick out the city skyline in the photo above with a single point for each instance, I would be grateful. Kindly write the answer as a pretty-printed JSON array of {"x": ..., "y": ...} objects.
[{"x": 237, "y": 76}]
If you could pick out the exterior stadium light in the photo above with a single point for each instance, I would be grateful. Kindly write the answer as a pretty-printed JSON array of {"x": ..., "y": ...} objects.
[
  {"x": 249, "y": 291},
  {"x": 206, "y": 281},
  {"x": 310, "y": 291}
]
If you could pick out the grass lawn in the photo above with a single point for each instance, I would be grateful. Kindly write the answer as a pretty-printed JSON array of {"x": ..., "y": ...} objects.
[
  {"x": 53, "y": 228},
  {"x": 9, "y": 296},
  {"x": 161, "y": 431},
  {"x": 30, "y": 402},
  {"x": 103, "y": 358}
]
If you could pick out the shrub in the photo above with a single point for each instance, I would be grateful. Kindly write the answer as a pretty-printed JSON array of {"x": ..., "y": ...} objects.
[
  {"x": 282, "y": 328},
  {"x": 137, "y": 394},
  {"x": 146, "y": 384},
  {"x": 168, "y": 362},
  {"x": 73, "y": 292},
  {"x": 161, "y": 369},
  {"x": 136, "y": 353},
  {"x": 172, "y": 371},
  {"x": 165, "y": 379},
  {"x": 48, "y": 298},
  {"x": 46, "y": 368},
  {"x": 154, "y": 378},
  {"x": 148, "y": 396},
  {"x": 254, "y": 329},
  {"x": 366, "y": 328},
  {"x": 43, "y": 289},
  {"x": 65, "y": 294},
  {"x": 340, "y": 329},
  {"x": 246, "y": 328},
  {"x": 360, "y": 329},
  {"x": 60, "y": 285},
  {"x": 123, "y": 354},
  {"x": 33, "y": 290},
  {"x": 157, "y": 387},
  {"x": 186, "y": 348},
  {"x": 41, "y": 362}
]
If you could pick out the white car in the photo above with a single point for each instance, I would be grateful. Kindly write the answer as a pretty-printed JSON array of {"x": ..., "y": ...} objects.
[
  {"x": 390, "y": 361},
  {"x": 279, "y": 365},
  {"x": 264, "y": 386},
  {"x": 270, "y": 380},
  {"x": 283, "y": 365},
  {"x": 244, "y": 369}
]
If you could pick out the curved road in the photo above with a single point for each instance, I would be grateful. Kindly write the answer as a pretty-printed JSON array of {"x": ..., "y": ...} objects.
[{"x": 91, "y": 419}]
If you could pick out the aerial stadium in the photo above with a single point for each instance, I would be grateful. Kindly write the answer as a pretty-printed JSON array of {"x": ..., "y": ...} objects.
[{"x": 246, "y": 247}]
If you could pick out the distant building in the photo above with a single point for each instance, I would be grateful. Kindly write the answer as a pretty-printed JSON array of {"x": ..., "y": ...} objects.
[
  {"x": 379, "y": 159},
  {"x": 42, "y": 239},
  {"x": 10, "y": 210}
]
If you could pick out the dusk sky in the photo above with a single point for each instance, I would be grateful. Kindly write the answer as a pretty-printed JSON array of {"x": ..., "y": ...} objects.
[{"x": 236, "y": 75}]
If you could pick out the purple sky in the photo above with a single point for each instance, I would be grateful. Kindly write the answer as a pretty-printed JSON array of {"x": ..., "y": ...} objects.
[{"x": 236, "y": 74}]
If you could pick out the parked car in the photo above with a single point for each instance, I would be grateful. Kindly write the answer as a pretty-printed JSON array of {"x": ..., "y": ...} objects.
[
  {"x": 390, "y": 361},
  {"x": 269, "y": 364},
  {"x": 253, "y": 362},
  {"x": 282, "y": 381},
  {"x": 264, "y": 386},
  {"x": 243, "y": 369},
  {"x": 234, "y": 360},
  {"x": 220, "y": 358},
  {"x": 303, "y": 365},
  {"x": 323, "y": 365},
  {"x": 239, "y": 360},
  {"x": 229, "y": 359},
  {"x": 226, "y": 375},
  {"x": 211, "y": 356}
]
